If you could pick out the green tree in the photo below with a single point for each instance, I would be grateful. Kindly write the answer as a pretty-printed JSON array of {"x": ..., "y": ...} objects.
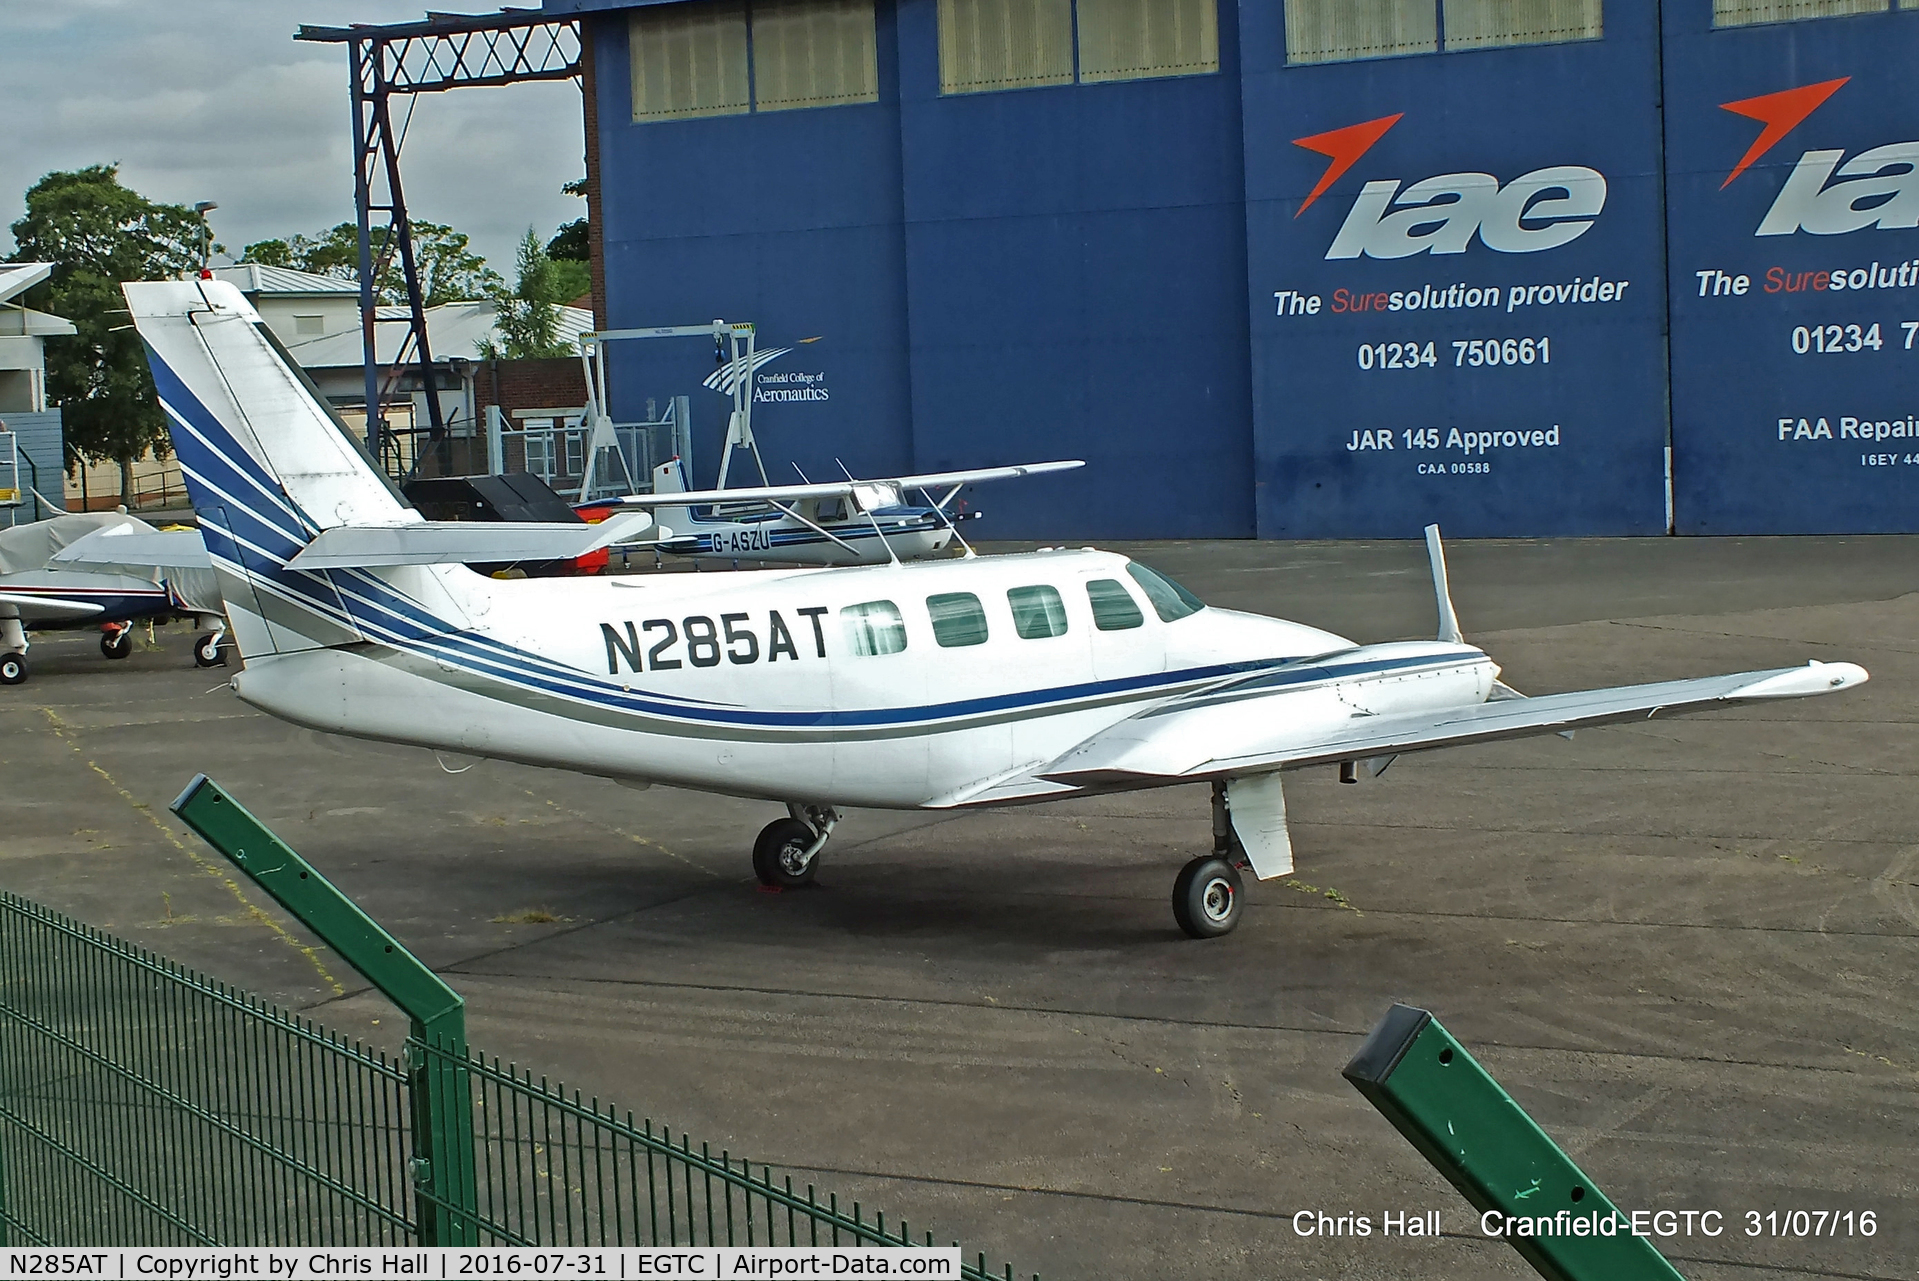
[
  {"x": 570, "y": 252},
  {"x": 528, "y": 320},
  {"x": 98, "y": 233},
  {"x": 449, "y": 270}
]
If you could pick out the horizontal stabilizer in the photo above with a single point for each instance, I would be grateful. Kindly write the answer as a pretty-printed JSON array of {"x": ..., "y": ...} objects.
[
  {"x": 843, "y": 488},
  {"x": 453, "y": 542},
  {"x": 45, "y": 609},
  {"x": 1245, "y": 738},
  {"x": 126, "y": 549}
]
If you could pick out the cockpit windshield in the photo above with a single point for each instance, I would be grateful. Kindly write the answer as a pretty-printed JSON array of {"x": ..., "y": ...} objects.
[{"x": 1170, "y": 600}]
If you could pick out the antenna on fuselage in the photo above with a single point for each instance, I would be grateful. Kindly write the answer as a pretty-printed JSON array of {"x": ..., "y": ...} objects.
[
  {"x": 871, "y": 519},
  {"x": 1448, "y": 620}
]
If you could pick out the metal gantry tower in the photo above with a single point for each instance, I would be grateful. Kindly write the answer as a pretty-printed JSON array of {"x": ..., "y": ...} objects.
[{"x": 444, "y": 51}]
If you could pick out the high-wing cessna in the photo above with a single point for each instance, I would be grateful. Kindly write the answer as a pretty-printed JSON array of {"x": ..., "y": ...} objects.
[
  {"x": 847, "y": 522},
  {"x": 44, "y": 586},
  {"x": 934, "y": 685}
]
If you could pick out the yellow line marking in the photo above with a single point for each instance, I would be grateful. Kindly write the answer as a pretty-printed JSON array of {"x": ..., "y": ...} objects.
[
  {"x": 620, "y": 831},
  {"x": 201, "y": 861}
]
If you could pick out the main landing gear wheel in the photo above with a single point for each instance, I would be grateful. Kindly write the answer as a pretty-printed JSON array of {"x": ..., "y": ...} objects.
[
  {"x": 784, "y": 856},
  {"x": 13, "y": 669},
  {"x": 117, "y": 644},
  {"x": 206, "y": 651},
  {"x": 1207, "y": 897}
]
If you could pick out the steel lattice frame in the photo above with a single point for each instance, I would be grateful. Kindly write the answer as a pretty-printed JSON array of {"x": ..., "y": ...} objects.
[{"x": 447, "y": 51}]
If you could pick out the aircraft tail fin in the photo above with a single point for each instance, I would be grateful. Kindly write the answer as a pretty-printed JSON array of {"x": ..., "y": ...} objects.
[
  {"x": 1448, "y": 620},
  {"x": 269, "y": 467}
]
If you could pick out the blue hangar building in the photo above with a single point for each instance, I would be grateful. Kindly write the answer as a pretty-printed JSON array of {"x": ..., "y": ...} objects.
[{"x": 1288, "y": 268}]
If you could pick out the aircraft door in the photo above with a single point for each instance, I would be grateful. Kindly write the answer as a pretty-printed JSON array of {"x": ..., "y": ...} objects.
[
  {"x": 879, "y": 667},
  {"x": 1125, "y": 638}
]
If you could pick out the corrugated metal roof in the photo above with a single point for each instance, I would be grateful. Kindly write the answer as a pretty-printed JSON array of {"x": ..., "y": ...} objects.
[{"x": 253, "y": 278}]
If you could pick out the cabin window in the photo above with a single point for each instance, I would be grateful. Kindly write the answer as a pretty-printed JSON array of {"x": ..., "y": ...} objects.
[
  {"x": 958, "y": 619},
  {"x": 830, "y": 510},
  {"x": 1113, "y": 607},
  {"x": 1169, "y": 600},
  {"x": 1038, "y": 612},
  {"x": 874, "y": 628}
]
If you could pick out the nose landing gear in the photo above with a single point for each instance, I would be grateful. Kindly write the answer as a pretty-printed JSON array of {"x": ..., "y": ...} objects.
[
  {"x": 787, "y": 853},
  {"x": 117, "y": 642},
  {"x": 13, "y": 652}
]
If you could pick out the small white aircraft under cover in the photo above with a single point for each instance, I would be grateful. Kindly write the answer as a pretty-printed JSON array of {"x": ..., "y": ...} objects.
[{"x": 938, "y": 685}]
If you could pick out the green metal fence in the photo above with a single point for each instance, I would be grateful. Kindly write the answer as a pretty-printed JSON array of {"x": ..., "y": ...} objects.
[
  {"x": 555, "y": 1168},
  {"x": 142, "y": 1103}
]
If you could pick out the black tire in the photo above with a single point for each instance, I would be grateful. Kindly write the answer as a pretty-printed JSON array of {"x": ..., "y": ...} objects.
[
  {"x": 13, "y": 669},
  {"x": 1207, "y": 897},
  {"x": 117, "y": 644},
  {"x": 207, "y": 652},
  {"x": 776, "y": 854}
]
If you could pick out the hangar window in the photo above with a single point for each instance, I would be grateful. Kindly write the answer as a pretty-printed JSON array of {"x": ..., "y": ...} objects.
[
  {"x": 1747, "y": 13},
  {"x": 1487, "y": 24},
  {"x": 1137, "y": 39},
  {"x": 1017, "y": 44},
  {"x": 306, "y": 326},
  {"x": 1113, "y": 607},
  {"x": 874, "y": 628},
  {"x": 689, "y": 60},
  {"x": 1038, "y": 612},
  {"x": 1348, "y": 30},
  {"x": 813, "y": 53},
  {"x": 958, "y": 620},
  {"x": 1004, "y": 44}
]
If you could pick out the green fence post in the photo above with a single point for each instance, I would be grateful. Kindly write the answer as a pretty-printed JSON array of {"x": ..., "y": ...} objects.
[
  {"x": 1459, "y": 1118},
  {"x": 440, "y": 1094}
]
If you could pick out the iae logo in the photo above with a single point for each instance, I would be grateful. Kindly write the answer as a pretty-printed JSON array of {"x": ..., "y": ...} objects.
[
  {"x": 1876, "y": 188},
  {"x": 1540, "y": 210}
]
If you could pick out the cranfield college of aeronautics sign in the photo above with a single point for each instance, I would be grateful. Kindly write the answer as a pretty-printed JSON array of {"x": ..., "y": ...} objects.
[{"x": 1460, "y": 321}]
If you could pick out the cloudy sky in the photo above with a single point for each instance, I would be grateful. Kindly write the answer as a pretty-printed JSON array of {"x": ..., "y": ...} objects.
[{"x": 215, "y": 100}]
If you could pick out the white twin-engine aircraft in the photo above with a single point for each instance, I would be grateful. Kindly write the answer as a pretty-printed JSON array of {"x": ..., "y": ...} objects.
[{"x": 938, "y": 685}]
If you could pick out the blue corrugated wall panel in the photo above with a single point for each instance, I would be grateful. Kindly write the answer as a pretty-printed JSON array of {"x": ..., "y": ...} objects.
[
  {"x": 40, "y": 438},
  {"x": 1569, "y": 442},
  {"x": 1125, "y": 272},
  {"x": 1076, "y": 267},
  {"x": 1795, "y": 375},
  {"x": 789, "y": 219}
]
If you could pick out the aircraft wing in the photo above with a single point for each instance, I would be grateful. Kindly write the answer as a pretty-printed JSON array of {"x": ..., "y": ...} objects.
[
  {"x": 123, "y": 549},
  {"x": 1191, "y": 738},
  {"x": 843, "y": 488},
  {"x": 34, "y": 608},
  {"x": 449, "y": 542}
]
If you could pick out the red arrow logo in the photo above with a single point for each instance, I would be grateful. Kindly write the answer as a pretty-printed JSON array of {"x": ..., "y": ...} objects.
[
  {"x": 1345, "y": 147},
  {"x": 1781, "y": 113}
]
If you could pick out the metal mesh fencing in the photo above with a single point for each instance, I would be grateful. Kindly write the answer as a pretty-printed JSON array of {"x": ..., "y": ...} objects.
[
  {"x": 142, "y": 1103},
  {"x": 555, "y": 1168}
]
